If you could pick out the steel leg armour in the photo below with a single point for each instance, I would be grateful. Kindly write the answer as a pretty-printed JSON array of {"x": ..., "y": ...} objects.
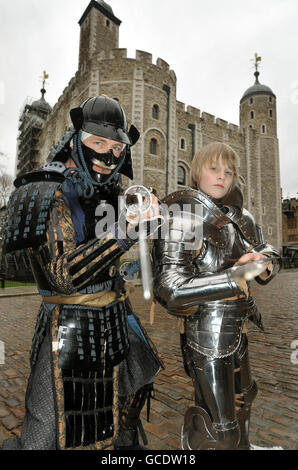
[
  {"x": 220, "y": 384},
  {"x": 212, "y": 424}
]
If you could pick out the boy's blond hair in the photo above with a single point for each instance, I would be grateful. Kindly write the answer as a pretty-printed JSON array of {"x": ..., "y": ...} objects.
[{"x": 210, "y": 154}]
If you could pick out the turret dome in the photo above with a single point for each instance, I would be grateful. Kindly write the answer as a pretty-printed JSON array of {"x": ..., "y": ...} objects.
[
  {"x": 257, "y": 89},
  {"x": 41, "y": 104}
]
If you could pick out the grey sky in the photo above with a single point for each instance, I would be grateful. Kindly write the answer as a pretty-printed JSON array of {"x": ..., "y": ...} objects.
[{"x": 208, "y": 44}]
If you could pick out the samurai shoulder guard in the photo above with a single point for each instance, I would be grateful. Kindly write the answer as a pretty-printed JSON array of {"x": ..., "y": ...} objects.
[{"x": 27, "y": 214}]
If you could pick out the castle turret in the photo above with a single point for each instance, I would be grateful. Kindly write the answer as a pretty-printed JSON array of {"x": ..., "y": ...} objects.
[
  {"x": 258, "y": 123},
  {"x": 31, "y": 123},
  {"x": 99, "y": 32},
  {"x": 258, "y": 108}
]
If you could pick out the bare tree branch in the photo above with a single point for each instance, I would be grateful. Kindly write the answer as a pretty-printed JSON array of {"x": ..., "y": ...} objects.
[{"x": 6, "y": 186}]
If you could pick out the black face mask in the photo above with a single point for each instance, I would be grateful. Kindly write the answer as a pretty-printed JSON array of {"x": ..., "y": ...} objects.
[{"x": 108, "y": 159}]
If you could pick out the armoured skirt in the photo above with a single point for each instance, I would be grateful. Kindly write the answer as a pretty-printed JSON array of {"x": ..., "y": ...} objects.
[
  {"x": 216, "y": 327},
  {"x": 79, "y": 356}
]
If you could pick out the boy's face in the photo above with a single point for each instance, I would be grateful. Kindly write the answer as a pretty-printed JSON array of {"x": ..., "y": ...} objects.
[{"x": 216, "y": 179}]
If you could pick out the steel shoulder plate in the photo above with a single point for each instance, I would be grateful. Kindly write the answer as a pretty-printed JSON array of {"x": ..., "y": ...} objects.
[
  {"x": 213, "y": 219},
  {"x": 248, "y": 228}
]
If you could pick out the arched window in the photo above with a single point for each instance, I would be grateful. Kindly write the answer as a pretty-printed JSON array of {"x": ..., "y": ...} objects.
[
  {"x": 251, "y": 101},
  {"x": 153, "y": 146},
  {"x": 270, "y": 113},
  {"x": 155, "y": 111},
  {"x": 251, "y": 114},
  {"x": 263, "y": 129},
  {"x": 181, "y": 175}
]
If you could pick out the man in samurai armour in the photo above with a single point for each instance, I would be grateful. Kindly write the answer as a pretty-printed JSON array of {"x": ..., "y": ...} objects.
[
  {"x": 92, "y": 363},
  {"x": 207, "y": 233}
]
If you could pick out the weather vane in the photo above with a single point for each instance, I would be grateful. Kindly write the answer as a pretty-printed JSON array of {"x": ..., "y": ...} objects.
[
  {"x": 44, "y": 78},
  {"x": 256, "y": 60}
]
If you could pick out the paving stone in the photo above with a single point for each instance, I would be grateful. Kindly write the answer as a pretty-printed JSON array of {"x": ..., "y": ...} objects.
[
  {"x": 20, "y": 396},
  {"x": 12, "y": 402},
  {"x": 20, "y": 382},
  {"x": 9, "y": 422},
  {"x": 174, "y": 443},
  {"x": 171, "y": 427},
  {"x": 19, "y": 412},
  {"x": 13, "y": 389},
  {"x": 281, "y": 431},
  {"x": 17, "y": 432},
  {"x": 4, "y": 384},
  {"x": 172, "y": 415},
  {"x": 156, "y": 430},
  {"x": 3, "y": 393},
  {"x": 269, "y": 440},
  {"x": 3, "y": 412},
  {"x": 11, "y": 373}
]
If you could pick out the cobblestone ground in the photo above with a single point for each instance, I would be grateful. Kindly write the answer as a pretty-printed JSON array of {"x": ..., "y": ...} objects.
[{"x": 273, "y": 361}]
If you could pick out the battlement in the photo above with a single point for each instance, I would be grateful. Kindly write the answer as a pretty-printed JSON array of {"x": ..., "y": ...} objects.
[
  {"x": 195, "y": 112},
  {"x": 144, "y": 57},
  {"x": 208, "y": 118},
  {"x": 162, "y": 63},
  {"x": 118, "y": 54},
  {"x": 210, "y": 123},
  {"x": 221, "y": 123},
  {"x": 180, "y": 107}
]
